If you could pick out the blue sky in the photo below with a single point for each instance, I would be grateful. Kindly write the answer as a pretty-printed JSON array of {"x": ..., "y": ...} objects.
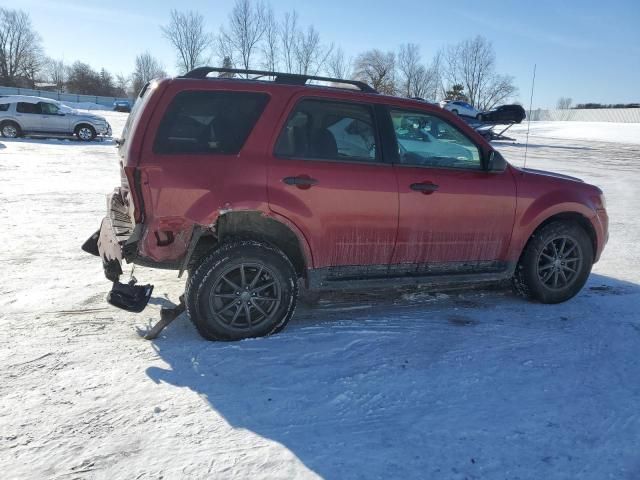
[{"x": 587, "y": 50}]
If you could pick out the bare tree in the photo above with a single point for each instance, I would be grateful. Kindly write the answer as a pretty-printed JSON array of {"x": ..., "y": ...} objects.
[
  {"x": 411, "y": 70},
  {"x": 147, "y": 68},
  {"x": 288, "y": 39},
  {"x": 122, "y": 84},
  {"x": 246, "y": 29},
  {"x": 471, "y": 63},
  {"x": 20, "y": 48},
  {"x": 435, "y": 90},
  {"x": 270, "y": 48},
  {"x": 310, "y": 54},
  {"x": 498, "y": 89},
  {"x": 416, "y": 79},
  {"x": 377, "y": 69},
  {"x": 187, "y": 33},
  {"x": 564, "y": 103},
  {"x": 82, "y": 79},
  {"x": 56, "y": 72},
  {"x": 337, "y": 65}
]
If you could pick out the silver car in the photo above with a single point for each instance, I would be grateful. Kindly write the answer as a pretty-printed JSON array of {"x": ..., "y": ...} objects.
[{"x": 23, "y": 115}]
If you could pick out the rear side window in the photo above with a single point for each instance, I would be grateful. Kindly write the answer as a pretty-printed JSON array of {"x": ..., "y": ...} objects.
[
  {"x": 209, "y": 122},
  {"x": 24, "y": 107},
  {"x": 326, "y": 130},
  {"x": 4, "y": 107}
]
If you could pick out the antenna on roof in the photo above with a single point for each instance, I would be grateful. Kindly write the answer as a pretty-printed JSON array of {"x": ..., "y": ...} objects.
[{"x": 526, "y": 145}]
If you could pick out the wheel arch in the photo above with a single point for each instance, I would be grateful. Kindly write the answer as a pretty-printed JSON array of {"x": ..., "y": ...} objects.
[
  {"x": 568, "y": 216},
  {"x": 82, "y": 123},
  {"x": 4, "y": 121},
  {"x": 255, "y": 225}
]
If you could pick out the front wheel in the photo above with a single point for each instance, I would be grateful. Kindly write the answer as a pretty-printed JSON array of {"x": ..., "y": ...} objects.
[
  {"x": 240, "y": 290},
  {"x": 555, "y": 264},
  {"x": 86, "y": 133}
]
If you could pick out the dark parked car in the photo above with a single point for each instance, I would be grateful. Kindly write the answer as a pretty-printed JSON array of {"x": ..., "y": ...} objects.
[
  {"x": 122, "y": 106},
  {"x": 504, "y": 114},
  {"x": 252, "y": 186}
]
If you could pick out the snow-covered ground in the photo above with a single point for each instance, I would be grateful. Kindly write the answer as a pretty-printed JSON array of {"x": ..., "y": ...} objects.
[
  {"x": 414, "y": 384},
  {"x": 591, "y": 131}
]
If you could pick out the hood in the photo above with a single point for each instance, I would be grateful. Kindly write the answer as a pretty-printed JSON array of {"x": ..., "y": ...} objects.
[
  {"x": 550, "y": 174},
  {"x": 90, "y": 116}
]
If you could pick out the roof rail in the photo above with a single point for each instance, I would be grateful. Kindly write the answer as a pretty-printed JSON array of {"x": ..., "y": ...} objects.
[{"x": 279, "y": 77}]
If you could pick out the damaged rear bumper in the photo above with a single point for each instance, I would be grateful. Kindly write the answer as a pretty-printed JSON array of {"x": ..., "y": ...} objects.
[{"x": 114, "y": 242}]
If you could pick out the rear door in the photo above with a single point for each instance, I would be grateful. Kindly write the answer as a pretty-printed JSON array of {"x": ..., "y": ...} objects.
[
  {"x": 454, "y": 215},
  {"x": 28, "y": 115},
  {"x": 328, "y": 176}
]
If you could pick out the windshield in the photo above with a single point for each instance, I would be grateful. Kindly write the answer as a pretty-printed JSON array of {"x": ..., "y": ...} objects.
[{"x": 65, "y": 108}]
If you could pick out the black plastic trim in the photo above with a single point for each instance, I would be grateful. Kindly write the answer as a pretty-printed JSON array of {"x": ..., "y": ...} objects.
[{"x": 279, "y": 77}]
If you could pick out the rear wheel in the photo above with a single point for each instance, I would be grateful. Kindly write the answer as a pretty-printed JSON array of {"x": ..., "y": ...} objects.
[
  {"x": 455, "y": 112},
  {"x": 242, "y": 289},
  {"x": 10, "y": 129},
  {"x": 86, "y": 133},
  {"x": 479, "y": 116},
  {"x": 555, "y": 263}
]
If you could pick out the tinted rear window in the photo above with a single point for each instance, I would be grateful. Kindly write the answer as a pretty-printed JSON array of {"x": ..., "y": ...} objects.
[
  {"x": 4, "y": 107},
  {"x": 209, "y": 122},
  {"x": 24, "y": 107}
]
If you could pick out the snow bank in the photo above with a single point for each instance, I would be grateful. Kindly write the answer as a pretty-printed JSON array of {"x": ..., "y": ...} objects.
[{"x": 596, "y": 131}]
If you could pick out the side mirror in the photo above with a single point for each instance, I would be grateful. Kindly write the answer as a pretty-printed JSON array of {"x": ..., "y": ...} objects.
[{"x": 496, "y": 162}]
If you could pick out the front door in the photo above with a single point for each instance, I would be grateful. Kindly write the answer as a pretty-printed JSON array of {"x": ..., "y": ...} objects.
[
  {"x": 455, "y": 217},
  {"x": 52, "y": 119},
  {"x": 328, "y": 176}
]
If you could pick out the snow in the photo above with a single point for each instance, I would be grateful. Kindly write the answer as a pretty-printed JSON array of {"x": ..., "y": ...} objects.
[
  {"x": 407, "y": 384},
  {"x": 592, "y": 131}
]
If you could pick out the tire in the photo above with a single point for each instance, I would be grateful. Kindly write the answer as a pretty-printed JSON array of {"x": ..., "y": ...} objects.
[
  {"x": 479, "y": 117},
  {"x": 455, "y": 112},
  {"x": 10, "y": 129},
  {"x": 223, "y": 305},
  {"x": 85, "y": 133},
  {"x": 555, "y": 263}
]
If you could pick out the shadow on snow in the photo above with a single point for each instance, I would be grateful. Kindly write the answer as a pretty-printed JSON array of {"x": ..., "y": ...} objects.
[{"x": 469, "y": 384}]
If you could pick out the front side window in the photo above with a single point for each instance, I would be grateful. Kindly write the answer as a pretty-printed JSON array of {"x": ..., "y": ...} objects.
[
  {"x": 49, "y": 108},
  {"x": 25, "y": 107},
  {"x": 209, "y": 122},
  {"x": 325, "y": 130},
  {"x": 427, "y": 140}
]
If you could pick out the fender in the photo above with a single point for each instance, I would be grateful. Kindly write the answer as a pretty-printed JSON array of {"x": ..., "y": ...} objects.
[{"x": 539, "y": 211}]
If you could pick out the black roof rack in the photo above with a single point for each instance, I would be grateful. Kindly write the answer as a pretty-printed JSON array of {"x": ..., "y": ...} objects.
[{"x": 279, "y": 77}]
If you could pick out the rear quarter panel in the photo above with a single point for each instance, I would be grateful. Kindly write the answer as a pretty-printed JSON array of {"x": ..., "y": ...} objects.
[{"x": 180, "y": 191}]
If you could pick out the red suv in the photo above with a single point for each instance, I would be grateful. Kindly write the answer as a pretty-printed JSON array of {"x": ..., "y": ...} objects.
[{"x": 251, "y": 185}]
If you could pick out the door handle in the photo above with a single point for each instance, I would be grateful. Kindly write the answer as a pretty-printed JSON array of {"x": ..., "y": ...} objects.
[
  {"x": 424, "y": 187},
  {"x": 303, "y": 182}
]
